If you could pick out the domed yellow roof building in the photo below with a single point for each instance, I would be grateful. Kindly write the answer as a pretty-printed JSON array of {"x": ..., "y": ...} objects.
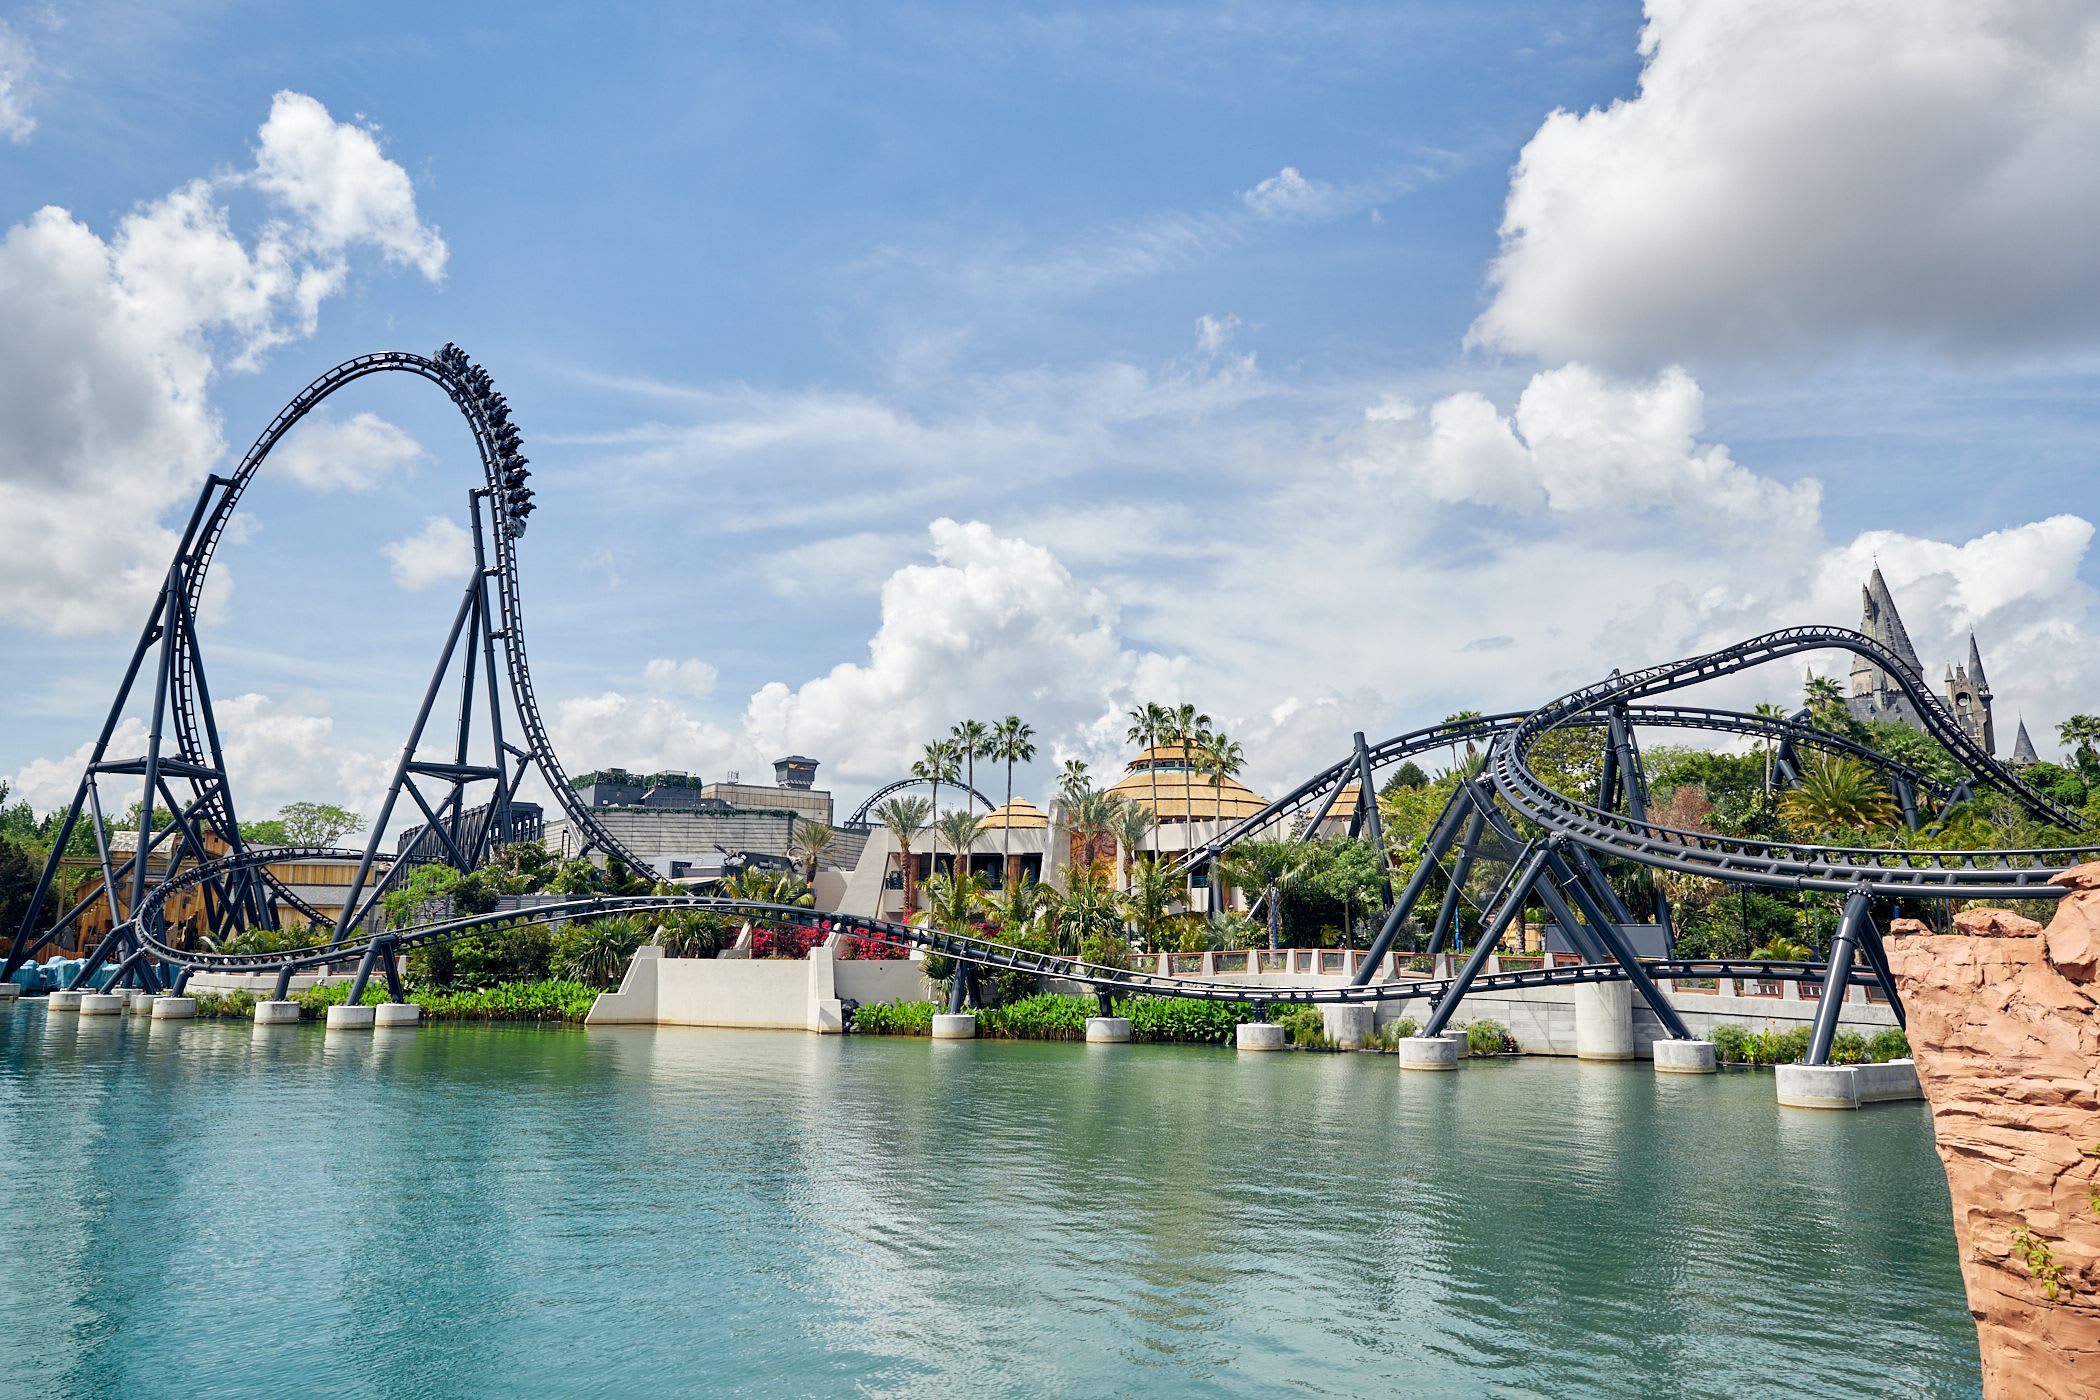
[
  {"x": 1164, "y": 779},
  {"x": 1017, "y": 815}
]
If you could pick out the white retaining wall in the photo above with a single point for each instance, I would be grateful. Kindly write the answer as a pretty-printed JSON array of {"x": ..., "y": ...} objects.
[{"x": 755, "y": 993}]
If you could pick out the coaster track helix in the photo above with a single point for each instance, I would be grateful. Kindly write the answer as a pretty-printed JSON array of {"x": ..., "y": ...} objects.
[{"x": 183, "y": 770}]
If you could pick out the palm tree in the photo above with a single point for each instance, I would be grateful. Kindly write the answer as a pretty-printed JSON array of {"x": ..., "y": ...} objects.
[
  {"x": 905, "y": 817},
  {"x": 1273, "y": 867},
  {"x": 1767, "y": 710},
  {"x": 1072, "y": 779},
  {"x": 1089, "y": 815},
  {"x": 1822, "y": 694},
  {"x": 1013, "y": 741},
  {"x": 973, "y": 740},
  {"x": 811, "y": 842},
  {"x": 1152, "y": 888},
  {"x": 1148, "y": 727},
  {"x": 1187, "y": 726},
  {"x": 1783, "y": 949},
  {"x": 1133, "y": 824},
  {"x": 1218, "y": 758},
  {"x": 960, "y": 830},
  {"x": 1460, "y": 717},
  {"x": 2079, "y": 733},
  {"x": 937, "y": 765},
  {"x": 1016, "y": 909},
  {"x": 1836, "y": 797},
  {"x": 952, "y": 902}
]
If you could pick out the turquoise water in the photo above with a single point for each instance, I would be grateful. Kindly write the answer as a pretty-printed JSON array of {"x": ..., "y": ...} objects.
[{"x": 202, "y": 1208}]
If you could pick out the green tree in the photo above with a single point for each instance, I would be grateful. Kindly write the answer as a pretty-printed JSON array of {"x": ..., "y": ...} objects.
[
  {"x": 1149, "y": 723},
  {"x": 317, "y": 823},
  {"x": 1219, "y": 757},
  {"x": 1273, "y": 867},
  {"x": 1822, "y": 696},
  {"x": 1352, "y": 877},
  {"x": 940, "y": 763},
  {"x": 1072, "y": 779},
  {"x": 1017, "y": 909},
  {"x": 1089, "y": 816},
  {"x": 1838, "y": 797},
  {"x": 960, "y": 830},
  {"x": 1154, "y": 889},
  {"x": 18, "y": 876},
  {"x": 1132, "y": 824},
  {"x": 973, "y": 740},
  {"x": 2080, "y": 733},
  {"x": 811, "y": 842},
  {"x": 953, "y": 902},
  {"x": 905, "y": 817},
  {"x": 1013, "y": 741}
]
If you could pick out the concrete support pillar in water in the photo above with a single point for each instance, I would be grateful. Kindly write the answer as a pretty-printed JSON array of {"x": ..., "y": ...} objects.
[
  {"x": 1431, "y": 1052},
  {"x": 959, "y": 1025},
  {"x": 396, "y": 1015},
  {"x": 350, "y": 1018},
  {"x": 276, "y": 1013},
  {"x": 174, "y": 1008},
  {"x": 1258, "y": 1035},
  {"x": 103, "y": 1003},
  {"x": 1107, "y": 1030},
  {"x": 1349, "y": 1026},
  {"x": 63, "y": 1001},
  {"x": 1604, "y": 1021},
  {"x": 1684, "y": 1057}
]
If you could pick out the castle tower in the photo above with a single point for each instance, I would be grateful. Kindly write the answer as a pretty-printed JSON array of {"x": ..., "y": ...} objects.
[
  {"x": 1968, "y": 695},
  {"x": 1874, "y": 692}
]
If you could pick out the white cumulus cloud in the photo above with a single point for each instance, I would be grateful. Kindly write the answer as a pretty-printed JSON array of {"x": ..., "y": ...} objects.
[
  {"x": 350, "y": 454},
  {"x": 690, "y": 677},
  {"x": 1796, "y": 178},
  {"x": 112, "y": 346},
  {"x": 441, "y": 552}
]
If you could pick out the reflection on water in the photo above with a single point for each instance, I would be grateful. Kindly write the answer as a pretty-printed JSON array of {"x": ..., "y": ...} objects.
[{"x": 198, "y": 1207}]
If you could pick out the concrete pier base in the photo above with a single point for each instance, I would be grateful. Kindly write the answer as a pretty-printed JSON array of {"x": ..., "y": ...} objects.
[
  {"x": 397, "y": 1015},
  {"x": 103, "y": 1003},
  {"x": 1349, "y": 1026},
  {"x": 277, "y": 1013},
  {"x": 1428, "y": 1052},
  {"x": 1604, "y": 1021},
  {"x": 1847, "y": 1086},
  {"x": 350, "y": 1018},
  {"x": 141, "y": 1003},
  {"x": 174, "y": 1008},
  {"x": 960, "y": 1026},
  {"x": 10, "y": 991},
  {"x": 1258, "y": 1035},
  {"x": 1684, "y": 1057},
  {"x": 1457, "y": 1039},
  {"x": 1107, "y": 1030},
  {"x": 63, "y": 1001}
]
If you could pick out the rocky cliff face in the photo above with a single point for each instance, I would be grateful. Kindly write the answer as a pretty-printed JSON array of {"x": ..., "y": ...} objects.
[{"x": 2004, "y": 1020}]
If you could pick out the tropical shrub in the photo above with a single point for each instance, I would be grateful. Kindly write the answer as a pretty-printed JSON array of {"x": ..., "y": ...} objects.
[
  {"x": 1303, "y": 1026},
  {"x": 695, "y": 933},
  {"x": 224, "y": 1006},
  {"x": 1489, "y": 1038},
  {"x": 893, "y": 1018},
  {"x": 1180, "y": 1020},
  {"x": 1731, "y": 1043},
  {"x": 595, "y": 951},
  {"x": 1848, "y": 1048},
  {"x": 1888, "y": 1044},
  {"x": 1045, "y": 1016}
]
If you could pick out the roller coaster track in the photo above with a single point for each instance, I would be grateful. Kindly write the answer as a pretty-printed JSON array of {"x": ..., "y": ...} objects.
[
  {"x": 1883, "y": 872},
  {"x": 863, "y": 815},
  {"x": 978, "y": 952},
  {"x": 1483, "y": 730}
]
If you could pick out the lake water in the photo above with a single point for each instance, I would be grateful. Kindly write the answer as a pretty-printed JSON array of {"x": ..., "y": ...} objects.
[{"x": 202, "y": 1208}]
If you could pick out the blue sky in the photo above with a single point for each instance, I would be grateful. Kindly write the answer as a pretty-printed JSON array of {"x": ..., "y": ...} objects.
[{"x": 1333, "y": 367}]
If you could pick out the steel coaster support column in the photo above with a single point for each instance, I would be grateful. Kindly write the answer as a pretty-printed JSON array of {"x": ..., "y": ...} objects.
[
  {"x": 1878, "y": 958},
  {"x": 1341, "y": 773},
  {"x": 153, "y": 738},
  {"x": 1440, "y": 837},
  {"x": 1514, "y": 893},
  {"x": 1614, "y": 942},
  {"x": 1367, "y": 804},
  {"x": 387, "y": 964},
  {"x": 1585, "y": 941},
  {"x": 283, "y": 989},
  {"x": 499, "y": 809},
  {"x": 1635, "y": 781},
  {"x": 352, "y": 914},
  {"x": 1838, "y": 976},
  {"x": 1907, "y": 799},
  {"x": 1102, "y": 1000},
  {"x": 1455, "y": 885},
  {"x": 1586, "y": 865},
  {"x": 364, "y": 973}
]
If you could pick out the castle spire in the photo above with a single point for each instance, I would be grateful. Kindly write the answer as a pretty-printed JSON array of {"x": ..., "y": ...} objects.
[
  {"x": 2023, "y": 754},
  {"x": 1983, "y": 687},
  {"x": 1882, "y": 622}
]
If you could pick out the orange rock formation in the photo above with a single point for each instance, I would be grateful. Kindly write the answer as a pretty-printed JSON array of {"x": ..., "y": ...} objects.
[{"x": 2004, "y": 1020}]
